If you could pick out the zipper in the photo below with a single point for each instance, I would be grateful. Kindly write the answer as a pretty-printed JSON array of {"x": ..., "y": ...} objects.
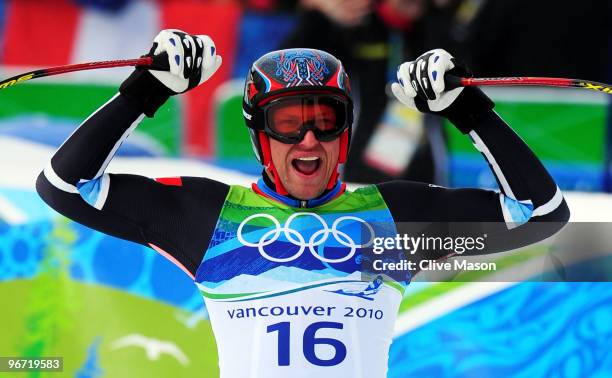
[{"x": 303, "y": 204}]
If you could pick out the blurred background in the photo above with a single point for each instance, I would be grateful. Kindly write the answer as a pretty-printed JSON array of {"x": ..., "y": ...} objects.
[{"x": 66, "y": 290}]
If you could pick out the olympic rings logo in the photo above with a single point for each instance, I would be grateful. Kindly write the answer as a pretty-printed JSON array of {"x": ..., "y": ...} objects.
[{"x": 316, "y": 240}]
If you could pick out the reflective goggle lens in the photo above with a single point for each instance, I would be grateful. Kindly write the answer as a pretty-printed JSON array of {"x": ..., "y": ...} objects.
[{"x": 289, "y": 119}]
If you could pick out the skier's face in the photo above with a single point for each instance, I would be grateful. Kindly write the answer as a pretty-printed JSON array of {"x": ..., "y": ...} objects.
[{"x": 305, "y": 168}]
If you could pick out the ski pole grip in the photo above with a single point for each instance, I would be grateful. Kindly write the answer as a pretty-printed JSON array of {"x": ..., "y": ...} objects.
[
  {"x": 451, "y": 82},
  {"x": 160, "y": 62}
]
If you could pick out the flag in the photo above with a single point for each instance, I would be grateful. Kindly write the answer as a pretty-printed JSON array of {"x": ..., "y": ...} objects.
[{"x": 45, "y": 33}]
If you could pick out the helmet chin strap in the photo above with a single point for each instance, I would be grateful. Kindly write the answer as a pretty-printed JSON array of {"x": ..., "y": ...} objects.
[
  {"x": 264, "y": 142},
  {"x": 342, "y": 155}
]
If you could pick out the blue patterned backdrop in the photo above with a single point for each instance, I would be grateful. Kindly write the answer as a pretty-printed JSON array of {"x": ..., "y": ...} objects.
[{"x": 530, "y": 330}]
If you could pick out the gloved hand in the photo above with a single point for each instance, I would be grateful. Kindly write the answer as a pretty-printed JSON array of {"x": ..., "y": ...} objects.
[
  {"x": 421, "y": 82},
  {"x": 421, "y": 86},
  {"x": 191, "y": 60}
]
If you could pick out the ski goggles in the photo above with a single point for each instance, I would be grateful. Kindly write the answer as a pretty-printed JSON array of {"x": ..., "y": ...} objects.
[{"x": 289, "y": 119}]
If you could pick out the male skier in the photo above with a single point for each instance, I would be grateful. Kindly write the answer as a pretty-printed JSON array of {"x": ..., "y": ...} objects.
[{"x": 275, "y": 262}]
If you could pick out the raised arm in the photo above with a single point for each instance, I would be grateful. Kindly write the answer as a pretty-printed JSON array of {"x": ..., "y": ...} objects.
[
  {"x": 174, "y": 216},
  {"x": 527, "y": 194}
]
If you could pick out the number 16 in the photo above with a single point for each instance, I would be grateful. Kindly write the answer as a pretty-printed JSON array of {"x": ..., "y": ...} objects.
[{"x": 309, "y": 342}]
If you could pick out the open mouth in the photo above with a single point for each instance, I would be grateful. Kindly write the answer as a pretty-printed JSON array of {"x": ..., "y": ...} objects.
[{"x": 306, "y": 165}]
